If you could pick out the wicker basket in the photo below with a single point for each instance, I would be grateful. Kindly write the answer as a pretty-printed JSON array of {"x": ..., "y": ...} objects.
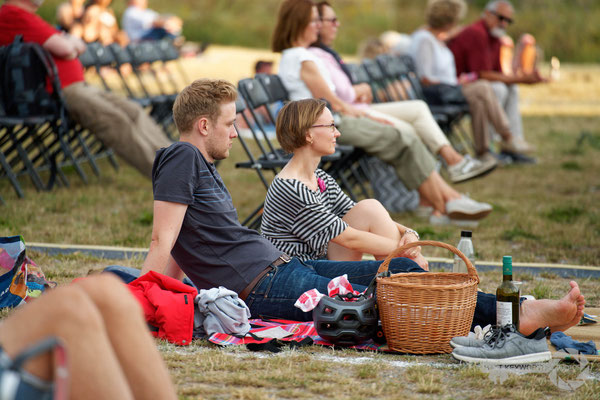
[{"x": 421, "y": 312}]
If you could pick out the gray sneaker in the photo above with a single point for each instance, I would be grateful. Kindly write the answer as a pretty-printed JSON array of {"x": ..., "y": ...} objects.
[
  {"x": 507, "y": 347},
  {"x": 471, "y": 341},
  {"x": 470, "y": 168}
]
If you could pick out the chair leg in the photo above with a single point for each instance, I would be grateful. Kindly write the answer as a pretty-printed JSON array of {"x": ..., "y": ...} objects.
[{"x": 11, "y": 176}]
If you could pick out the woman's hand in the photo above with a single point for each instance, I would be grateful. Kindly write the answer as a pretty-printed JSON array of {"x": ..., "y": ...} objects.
[
  {"x": 409, "y": 237},
  {"x": 422, "y": 262}
]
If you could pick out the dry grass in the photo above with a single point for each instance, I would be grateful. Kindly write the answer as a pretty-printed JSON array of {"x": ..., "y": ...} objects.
[{"x": 545, "y": 212}]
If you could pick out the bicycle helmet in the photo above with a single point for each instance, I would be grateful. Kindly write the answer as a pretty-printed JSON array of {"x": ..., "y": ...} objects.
[{"x": 346, "y": 323}]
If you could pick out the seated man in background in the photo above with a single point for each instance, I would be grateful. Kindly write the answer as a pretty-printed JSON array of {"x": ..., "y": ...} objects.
[
  {"x": 142, "y": 23},
  {"x": 119, "y": 123},
  {"x": 477, "y": 49}
]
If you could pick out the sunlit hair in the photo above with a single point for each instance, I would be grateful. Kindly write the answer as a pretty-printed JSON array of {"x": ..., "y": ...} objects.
[
  {"x": 493, "y": 5},
  {"x": 444, "y": 13},
  {"x": 294, "y": 120},
  {"x": 202, "y": 98},
  {"x": 292, "y": 19}
]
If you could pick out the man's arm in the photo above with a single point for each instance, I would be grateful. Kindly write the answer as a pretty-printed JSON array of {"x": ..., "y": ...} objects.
[
  {"x": 168, "y": 218},
  {"x": 64, "y": 46},
  {"x": 509, "y": 79}
]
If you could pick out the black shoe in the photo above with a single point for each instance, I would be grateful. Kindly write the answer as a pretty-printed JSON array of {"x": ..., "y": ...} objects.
[{"x": 517, "y": 158}]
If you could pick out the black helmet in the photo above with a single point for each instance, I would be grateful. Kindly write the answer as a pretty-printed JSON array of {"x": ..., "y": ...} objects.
[{"x": 346, "y": 322}]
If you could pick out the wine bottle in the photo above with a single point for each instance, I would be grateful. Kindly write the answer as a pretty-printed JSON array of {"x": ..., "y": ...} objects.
[{"x": 507, "y": 297}]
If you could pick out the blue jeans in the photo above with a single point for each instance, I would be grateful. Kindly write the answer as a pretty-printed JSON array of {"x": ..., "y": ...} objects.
[{"x": 274, "y": 296}]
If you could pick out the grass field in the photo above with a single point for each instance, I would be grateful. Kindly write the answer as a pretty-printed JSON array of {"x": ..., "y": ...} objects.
[{"x": 547, "y": 212}]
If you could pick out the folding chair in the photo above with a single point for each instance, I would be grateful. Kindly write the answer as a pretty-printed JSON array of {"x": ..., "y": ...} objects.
[
  {"x": 349, "y": 169},
  {"x": 143, "y": 56}
]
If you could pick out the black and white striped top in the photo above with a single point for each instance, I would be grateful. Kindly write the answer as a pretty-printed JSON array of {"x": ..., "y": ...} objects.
[{"x": 301, "y": 222}]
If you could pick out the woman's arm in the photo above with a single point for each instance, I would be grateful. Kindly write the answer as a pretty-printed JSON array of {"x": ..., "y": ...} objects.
[
  {"x": 310, "y": 75},
  {"x": 365, "y": 242}
]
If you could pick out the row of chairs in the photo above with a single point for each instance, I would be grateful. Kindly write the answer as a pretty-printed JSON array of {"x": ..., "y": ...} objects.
[
  {"x": 45, "y": 143},
  {"x": 393, "y": 77},
  {"x": 259, "y": 99},
  {"x": 148, "y": 72}
]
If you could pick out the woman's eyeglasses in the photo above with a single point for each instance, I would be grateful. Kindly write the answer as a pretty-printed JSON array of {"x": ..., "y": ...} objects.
[
  {"x": 332, "y": 126},
  {"x": 333, "y": 20}
]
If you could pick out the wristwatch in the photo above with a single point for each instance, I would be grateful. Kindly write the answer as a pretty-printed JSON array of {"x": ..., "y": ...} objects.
[{"x": 412, "y": 231}]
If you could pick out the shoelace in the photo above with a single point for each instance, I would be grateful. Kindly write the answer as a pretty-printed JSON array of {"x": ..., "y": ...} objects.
[{"x": 496, "y": 336}]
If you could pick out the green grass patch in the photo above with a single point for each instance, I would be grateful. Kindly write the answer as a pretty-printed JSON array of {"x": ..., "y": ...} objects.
[
  {"x": 571, "y": 166},
  {"x": 518, "y": 232},
  {"x": 564, "y": 214}
]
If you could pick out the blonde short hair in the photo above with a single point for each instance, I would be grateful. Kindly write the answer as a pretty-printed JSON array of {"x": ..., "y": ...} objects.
[
  {"x": 294, "y": 120},
  {"x": 443, "y": 13},
  {"x": 202, "y": 98}
]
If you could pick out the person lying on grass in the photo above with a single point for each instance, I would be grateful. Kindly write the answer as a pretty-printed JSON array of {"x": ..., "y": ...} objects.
[{"x": 196, "y": 230}]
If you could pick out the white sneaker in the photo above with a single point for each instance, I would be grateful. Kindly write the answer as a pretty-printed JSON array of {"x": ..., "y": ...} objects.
[
  {"x": 441, "y": 220},
  {"x": 423, "y": 211},
  {"x": 467, "y": 208},
  {"x": 470, "y": 168}
]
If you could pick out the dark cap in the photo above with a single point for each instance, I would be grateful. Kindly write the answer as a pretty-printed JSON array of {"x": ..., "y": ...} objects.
[{"x": 466, "y": 233}]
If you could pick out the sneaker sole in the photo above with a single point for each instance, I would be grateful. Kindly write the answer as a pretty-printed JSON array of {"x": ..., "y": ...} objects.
[
  {"x": 462, "y": 215},
  {"x": 516, "y": 360},
  {"x": 474, "y": 174}
]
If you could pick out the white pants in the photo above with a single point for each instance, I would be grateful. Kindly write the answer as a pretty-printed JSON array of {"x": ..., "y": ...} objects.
[
  {"x": 508, "y": 97},
  {"x": 412, "y": 117}
]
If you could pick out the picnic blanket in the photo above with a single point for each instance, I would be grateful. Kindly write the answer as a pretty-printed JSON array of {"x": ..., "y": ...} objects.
[{"x": 286, "y": 331}]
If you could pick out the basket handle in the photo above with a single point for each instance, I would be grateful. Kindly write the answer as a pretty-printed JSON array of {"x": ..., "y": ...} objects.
[{"x": 383, "y": 267}]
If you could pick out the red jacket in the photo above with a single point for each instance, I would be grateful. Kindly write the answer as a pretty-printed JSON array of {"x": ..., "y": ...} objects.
[{"x": 168, "y": 306}]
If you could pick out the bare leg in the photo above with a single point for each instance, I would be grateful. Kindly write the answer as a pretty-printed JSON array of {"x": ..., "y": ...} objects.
[
  {"x": 450, "y": 155},
  {"x": 68, "y": 313},
  {"x": 370, "y": 216},
  {"x": 437, "y": 192},
  {"x": 133, "y": 345},
  {"x": 559, "y": 315}
]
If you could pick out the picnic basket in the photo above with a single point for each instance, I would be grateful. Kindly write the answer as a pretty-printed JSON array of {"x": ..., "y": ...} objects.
[{"x": 421, "y": 312}]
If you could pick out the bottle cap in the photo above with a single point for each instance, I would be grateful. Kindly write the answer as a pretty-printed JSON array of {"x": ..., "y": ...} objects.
[
  {"x": 466, "y": 233},
  {"x": 507, "y": 265}
]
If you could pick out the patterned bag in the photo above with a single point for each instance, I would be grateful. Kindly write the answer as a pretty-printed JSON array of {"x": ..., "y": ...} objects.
[{"x": 20, "y": 279}]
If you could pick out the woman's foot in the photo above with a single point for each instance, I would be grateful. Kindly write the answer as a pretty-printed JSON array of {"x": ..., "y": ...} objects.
[{"x": 559, "y": 315}]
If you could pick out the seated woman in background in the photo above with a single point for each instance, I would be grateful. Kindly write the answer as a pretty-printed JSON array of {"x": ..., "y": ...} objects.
[
  {"x": 305, "y": 76},
  {"x": 100, "y": 24},
  {"x": 306, "y": 213},
  {"x": 412, "y": 116},
  {"x": 437, "y": 70},
  {"x": 69, "y": 17}
]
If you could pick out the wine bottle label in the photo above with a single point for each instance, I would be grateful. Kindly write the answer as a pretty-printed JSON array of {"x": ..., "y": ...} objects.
[{"x": 504, "y": 313}]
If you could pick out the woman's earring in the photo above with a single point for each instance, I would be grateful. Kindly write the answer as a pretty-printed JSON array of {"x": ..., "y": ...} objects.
[{"x": 309, "y": 141}]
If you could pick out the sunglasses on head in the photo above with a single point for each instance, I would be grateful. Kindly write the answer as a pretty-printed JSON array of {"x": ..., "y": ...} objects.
[{"x": 502, "y": 18}]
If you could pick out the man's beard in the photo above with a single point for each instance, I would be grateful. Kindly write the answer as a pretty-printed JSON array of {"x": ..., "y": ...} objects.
[{"x": 497, "y": 32}]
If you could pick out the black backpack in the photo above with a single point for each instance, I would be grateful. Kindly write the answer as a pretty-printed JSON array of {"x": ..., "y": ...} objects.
[{"x": 25, "y": 69}]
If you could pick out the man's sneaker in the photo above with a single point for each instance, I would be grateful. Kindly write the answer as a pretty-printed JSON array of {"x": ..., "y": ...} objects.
[
  {"x": 423, "y": 211},
  {"x": 517, "y": 146},
  {"x": 474, "y": 339},
  {"x": 467, "y": 208},
  {"x": 506, "y": 346},
  {"x": 470, "y": 168}
]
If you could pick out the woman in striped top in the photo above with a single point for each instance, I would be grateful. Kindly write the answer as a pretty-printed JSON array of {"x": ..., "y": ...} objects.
[{"x": 306, "y": 214}]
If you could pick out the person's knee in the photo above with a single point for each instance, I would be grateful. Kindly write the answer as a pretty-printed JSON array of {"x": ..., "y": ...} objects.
[
  {"x": 370, "y": 206},
  {"x": 109, "y": 294},
  {"x": 73, "y": 312}
]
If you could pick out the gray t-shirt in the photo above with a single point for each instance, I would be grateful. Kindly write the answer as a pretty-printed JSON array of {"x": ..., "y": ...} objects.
[{"x": 213, "y": 248}]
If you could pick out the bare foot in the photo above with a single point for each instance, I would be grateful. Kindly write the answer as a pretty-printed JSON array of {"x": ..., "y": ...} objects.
[{"x": 559, "y": 315}]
